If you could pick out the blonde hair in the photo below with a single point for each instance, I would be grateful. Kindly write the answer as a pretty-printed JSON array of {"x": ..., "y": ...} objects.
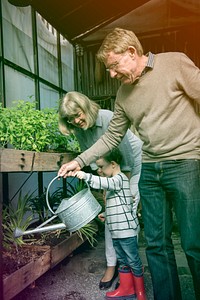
[
  {"x": 70, "y": 105},
  {"x": 118, "y": 41}
]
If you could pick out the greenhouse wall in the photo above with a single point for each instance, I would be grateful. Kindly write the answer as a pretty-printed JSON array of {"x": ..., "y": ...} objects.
[{"x": 36, "y": 64}]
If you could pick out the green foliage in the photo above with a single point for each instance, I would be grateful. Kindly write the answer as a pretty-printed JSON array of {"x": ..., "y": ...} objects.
[
  {"x": 74, "y": 187},
  {"x": 13, "y": 217},
  {"x": 88, "y": 231},
  {"x": 39, "y": 206},
  {"x": 27, "y": 128}
]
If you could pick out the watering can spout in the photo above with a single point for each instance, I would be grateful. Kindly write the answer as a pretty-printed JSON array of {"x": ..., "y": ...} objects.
[{"x": 18, "y": 232}]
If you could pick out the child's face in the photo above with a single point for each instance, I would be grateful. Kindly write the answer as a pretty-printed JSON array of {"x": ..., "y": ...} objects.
[{"x": 105, "y": 168}]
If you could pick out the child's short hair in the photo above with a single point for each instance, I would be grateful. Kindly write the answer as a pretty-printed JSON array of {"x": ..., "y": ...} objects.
[{"x": 113, "y": 155}]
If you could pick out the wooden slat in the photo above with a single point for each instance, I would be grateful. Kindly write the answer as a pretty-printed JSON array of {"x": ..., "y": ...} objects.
[
  {"x": 51, "y": 161},
  {"x": 23, "y": 277},
  {"x": 15, "y": 160},
  {"x": 12, "y": 160},
  {"x": 62, "y": 250}
]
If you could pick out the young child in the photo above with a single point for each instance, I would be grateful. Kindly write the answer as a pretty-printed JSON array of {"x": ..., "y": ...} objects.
[{"x": 122, "y": 222}]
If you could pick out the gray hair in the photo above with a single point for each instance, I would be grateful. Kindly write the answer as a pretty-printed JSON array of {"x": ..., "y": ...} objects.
[{"x": 118, "y": 41}]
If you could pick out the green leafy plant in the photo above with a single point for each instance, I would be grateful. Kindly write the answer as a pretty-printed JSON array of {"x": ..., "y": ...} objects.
[
  {"x": 13, "y": 217},
  {"x": 89, "y": 231},
  {"x": 26, "y": 128}
]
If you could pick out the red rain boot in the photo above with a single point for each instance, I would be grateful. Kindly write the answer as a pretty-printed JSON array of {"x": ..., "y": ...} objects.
[
  {"x": 126, "y": 290},
  {"x": 139, "y": 287}
]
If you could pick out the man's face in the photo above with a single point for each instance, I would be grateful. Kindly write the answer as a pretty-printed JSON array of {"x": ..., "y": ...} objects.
[{"x": 122, "y": 66}]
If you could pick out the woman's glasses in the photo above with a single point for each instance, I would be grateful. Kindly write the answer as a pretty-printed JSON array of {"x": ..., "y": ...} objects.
[{"x": 72, "y": 119}]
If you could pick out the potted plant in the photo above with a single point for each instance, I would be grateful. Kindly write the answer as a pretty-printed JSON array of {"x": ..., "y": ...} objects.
[
  {"x": 35, "y": 255},
  {"x": 20, "y": 257},
  {"x": 30, "y": 139}
]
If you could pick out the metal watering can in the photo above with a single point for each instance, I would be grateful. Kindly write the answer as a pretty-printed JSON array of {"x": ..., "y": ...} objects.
[{"x": 74, "y": 212}]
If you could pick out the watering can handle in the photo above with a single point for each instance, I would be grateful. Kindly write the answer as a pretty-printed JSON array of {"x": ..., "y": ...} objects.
[{"x": 47, "y": 192}]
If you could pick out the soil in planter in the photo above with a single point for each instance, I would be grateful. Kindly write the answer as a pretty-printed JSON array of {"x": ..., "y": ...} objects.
[{"x": 17, "y": 257}]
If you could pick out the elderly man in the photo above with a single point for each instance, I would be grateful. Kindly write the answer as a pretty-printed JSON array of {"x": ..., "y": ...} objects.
[{"x": 157, "y": 96}]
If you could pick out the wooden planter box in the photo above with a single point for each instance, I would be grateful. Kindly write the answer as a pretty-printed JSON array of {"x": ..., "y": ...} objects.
[
  {"x": 65, "y": 248},
  {"x": 12, "y": 160},
  {"x": 20, "y": 279}
]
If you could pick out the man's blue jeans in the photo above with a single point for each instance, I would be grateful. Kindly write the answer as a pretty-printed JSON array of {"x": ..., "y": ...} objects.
[{"x": 164, "y": 185}]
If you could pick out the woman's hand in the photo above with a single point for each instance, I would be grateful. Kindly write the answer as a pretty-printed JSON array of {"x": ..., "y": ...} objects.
[{"x": 69, "y": 169}]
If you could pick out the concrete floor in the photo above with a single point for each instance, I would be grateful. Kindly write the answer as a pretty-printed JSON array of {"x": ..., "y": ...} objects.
[{"x": 78, "y": 276}]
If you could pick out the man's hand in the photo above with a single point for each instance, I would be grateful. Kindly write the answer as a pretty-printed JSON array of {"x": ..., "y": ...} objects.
[{"x": 69, "y": 169}]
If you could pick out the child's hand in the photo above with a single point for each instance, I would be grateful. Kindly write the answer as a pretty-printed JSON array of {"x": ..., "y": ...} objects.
[
  {"x": 80, "y": 175},
  {"x": 102, "y": 217}
]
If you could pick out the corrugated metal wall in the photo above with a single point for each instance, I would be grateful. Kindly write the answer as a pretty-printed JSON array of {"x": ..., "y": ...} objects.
[{"x": 88, "y": 83}]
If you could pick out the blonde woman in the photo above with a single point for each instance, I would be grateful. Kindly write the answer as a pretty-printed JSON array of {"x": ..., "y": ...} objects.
[{"x": 83, "y": 117}]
